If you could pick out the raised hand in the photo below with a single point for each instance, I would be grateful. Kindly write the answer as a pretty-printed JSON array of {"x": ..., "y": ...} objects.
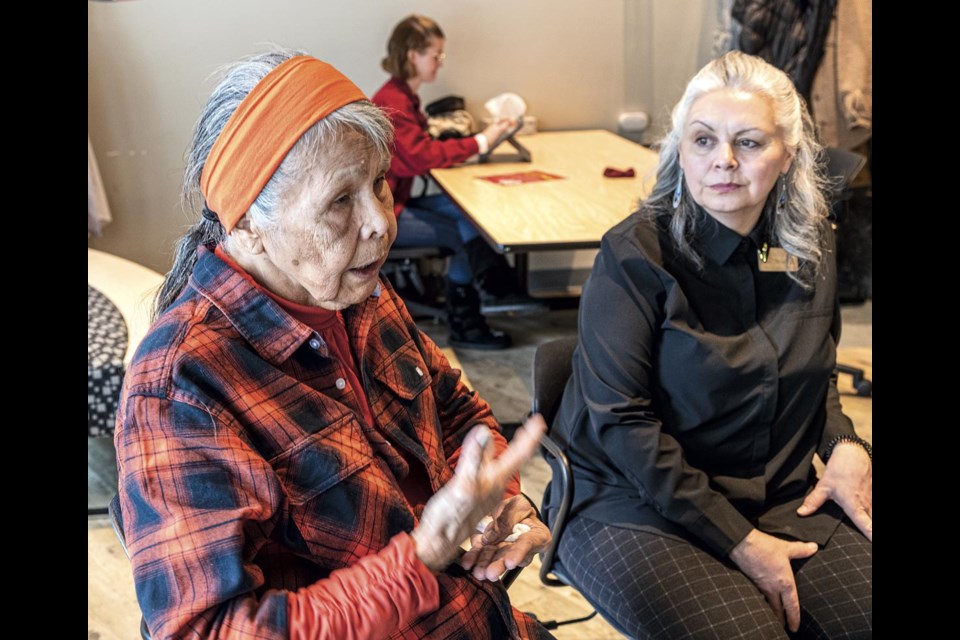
[
  {"x": 475, "y": 490},
  {"x": 497, "y": 128}
]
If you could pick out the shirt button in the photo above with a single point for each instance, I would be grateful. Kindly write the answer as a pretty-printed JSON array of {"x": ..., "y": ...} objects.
[
  {"x": 341, "y": 383},
  {"x": 419, "y": 371},
  {"x": 314, "y": 344}
]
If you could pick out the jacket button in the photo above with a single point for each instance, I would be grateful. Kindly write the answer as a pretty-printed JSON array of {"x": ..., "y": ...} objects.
[
  {"x": 314, "y": 344},
  {"x": 419, "y": 371}
]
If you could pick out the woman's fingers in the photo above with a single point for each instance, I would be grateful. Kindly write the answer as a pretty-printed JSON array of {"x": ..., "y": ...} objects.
[
  {"x": 489, "y": 561},
  {"x": 475, "y": 490},
  {"x": 863, "y": 520},
  {"x": 485, "y": 567},
  {"x": 788, "y": 591},
  {"x": 477, "y": 462},
  {"x": 511, "y": 511},
  {"x": 791, "y": 606},
  {"x": 773, "y": 599},
  {"x": 523, "y": 446},
  {"x": 814, "y": 500},
  {"x": 473, "y": 455},
  {"x": 469, "y": 558}
]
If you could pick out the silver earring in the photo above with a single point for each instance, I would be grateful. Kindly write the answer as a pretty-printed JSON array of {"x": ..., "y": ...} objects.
[
  {"x": 678, "y": 192},
  {"x": 782, "y": 200}
]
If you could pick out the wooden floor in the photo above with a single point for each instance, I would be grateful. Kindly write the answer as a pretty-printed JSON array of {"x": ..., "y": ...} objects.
[{"x": 112, "y": 612}]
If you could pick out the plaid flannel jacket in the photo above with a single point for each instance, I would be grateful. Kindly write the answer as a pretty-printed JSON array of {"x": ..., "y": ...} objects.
[{"x": 245, "y": 477}]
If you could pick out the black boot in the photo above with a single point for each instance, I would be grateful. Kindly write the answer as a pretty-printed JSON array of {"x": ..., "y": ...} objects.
[
  {"x": 468, "y": 328},
  {"x": 498, "y": 282}
]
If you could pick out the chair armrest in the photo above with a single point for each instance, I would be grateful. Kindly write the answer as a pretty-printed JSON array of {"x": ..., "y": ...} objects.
[{"x": 556, "y": 527}]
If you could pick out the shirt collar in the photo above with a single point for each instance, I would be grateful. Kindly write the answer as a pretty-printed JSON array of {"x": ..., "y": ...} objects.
[
  {"x": 261, "y": 321},
  {"x": 269, "y": 329},
  {"x": 718, "y": 242}
]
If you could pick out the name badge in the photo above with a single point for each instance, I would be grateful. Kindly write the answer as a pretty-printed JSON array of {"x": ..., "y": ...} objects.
[{"x": 776, "y": 259}]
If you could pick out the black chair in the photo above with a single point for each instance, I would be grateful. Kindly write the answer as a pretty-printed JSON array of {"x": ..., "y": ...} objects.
[
  {"x": 842, "y": 167},
  {"x": 116, "y": 520},
  {"x": 552, "y": 366}
]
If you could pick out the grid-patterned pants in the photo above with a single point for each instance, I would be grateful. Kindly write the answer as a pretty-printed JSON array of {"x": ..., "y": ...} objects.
[{"x": 655, "y": 587}]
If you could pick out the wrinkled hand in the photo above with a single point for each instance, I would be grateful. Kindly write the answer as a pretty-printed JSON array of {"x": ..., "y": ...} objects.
[
  {"x": 492, "y": 554},
  {"x": 766, "y": 561},
  {"x": 848, "y": 481},
  {"x": 475, "y": 490}
]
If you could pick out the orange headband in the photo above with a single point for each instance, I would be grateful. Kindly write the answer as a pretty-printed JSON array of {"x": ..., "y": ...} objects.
[{"x": 285, "y": 103}]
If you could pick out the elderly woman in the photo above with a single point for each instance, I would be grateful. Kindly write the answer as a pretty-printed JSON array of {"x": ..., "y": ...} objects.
[
  {"x": 415, "y": 53},
  {"x": 287, "y": 438},
  {"x": 703, "y": 387}
]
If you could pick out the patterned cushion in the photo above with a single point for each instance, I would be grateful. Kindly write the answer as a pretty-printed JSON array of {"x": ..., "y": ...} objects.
[{"x": 106, "y": 345}]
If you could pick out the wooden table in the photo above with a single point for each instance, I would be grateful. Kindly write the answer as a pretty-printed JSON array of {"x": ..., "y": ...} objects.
[{"x": 572, "y": 213}]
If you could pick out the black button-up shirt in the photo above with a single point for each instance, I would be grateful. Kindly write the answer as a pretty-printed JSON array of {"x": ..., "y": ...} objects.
[{"x": 699, "y": 397}]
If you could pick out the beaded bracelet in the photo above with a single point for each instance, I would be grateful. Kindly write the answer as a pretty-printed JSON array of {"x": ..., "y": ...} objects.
[{"x": 847, "y": 438}]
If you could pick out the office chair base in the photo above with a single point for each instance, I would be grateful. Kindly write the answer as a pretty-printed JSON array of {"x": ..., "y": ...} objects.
[{"x": 863, "y": 386}]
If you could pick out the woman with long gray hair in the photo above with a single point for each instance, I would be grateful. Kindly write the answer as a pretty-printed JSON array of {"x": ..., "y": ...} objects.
[
  {"x": 296, "y": 459},
  {"x": 703, "y": 387}
]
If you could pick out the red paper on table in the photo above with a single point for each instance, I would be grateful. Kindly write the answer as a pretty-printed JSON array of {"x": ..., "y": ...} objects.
[{"x": 521, "y": 177}]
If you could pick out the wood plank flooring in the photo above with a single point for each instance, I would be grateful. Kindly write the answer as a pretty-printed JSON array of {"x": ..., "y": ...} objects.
[{"x": 112, "y": 610}]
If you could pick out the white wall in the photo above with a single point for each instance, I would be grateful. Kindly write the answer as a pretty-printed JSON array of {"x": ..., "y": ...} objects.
[{"x": 578, "y": 63}]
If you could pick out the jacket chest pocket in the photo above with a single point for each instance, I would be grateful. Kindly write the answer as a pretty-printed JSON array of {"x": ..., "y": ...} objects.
[
  {"x": 325, "y": 462},
  {"x": 405, "y": 406},
  {"x": 404, "y": 372}
]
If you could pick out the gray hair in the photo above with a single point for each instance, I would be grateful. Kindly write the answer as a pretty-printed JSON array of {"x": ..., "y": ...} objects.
[
  {"x": 238, "y": 80},
  {"x": 798, "y": 227}
]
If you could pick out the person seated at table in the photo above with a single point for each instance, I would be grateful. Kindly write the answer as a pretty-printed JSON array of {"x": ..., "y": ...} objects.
[
  {"x": 296, "y": 459},
  {"x": 703, "y": 386},
  {"x": 414, "y": 55}
]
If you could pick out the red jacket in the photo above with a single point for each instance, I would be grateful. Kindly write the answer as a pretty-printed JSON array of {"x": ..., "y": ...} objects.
[
  {"x": 259, "y": 504},
  {"x": 414, "y": 151}
]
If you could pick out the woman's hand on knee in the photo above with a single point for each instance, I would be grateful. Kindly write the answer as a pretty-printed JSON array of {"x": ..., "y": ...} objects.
[
  {"x": 765, "y": 559},
  {"x": 848, "y": 481}
]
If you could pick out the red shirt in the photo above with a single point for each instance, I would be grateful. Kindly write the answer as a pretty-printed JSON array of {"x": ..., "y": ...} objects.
[{"x": 415, "y": 152}]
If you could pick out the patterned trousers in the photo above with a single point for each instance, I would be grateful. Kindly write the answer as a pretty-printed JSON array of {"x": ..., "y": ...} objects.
[{"x": 649, "y": 586}]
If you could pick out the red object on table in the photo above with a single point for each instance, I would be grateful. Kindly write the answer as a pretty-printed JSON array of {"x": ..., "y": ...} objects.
[
  {"x": 522, "y": 177},
  {"x": 610, "y": 172}
]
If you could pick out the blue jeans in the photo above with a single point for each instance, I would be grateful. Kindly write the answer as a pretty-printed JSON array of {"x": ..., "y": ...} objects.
[{"x": 435, "y": 221}]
